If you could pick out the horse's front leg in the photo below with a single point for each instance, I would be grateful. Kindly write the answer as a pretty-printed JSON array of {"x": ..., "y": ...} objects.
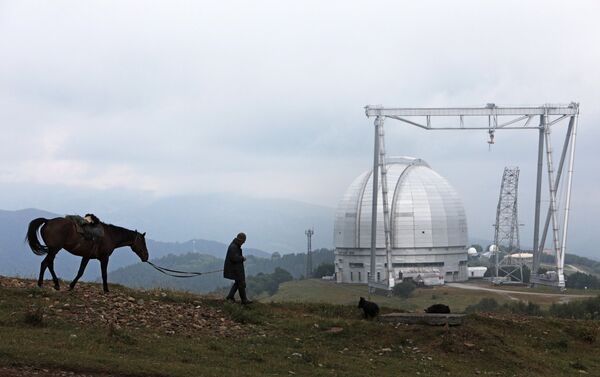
[
  {"x": 82, "y": 266},
  {"x": 103, "y": 268}
]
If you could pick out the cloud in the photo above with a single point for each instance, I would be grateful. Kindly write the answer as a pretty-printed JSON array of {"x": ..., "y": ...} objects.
[{"x": 266, "y": 98}]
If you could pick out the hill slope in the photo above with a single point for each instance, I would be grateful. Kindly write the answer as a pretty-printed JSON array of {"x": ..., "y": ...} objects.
[{"x": 158, "y": 333}]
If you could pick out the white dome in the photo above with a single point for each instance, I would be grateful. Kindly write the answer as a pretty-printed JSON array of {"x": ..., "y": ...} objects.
[
  {"x": 425, "y": 211},
  {"x": 472, "y": 251}
]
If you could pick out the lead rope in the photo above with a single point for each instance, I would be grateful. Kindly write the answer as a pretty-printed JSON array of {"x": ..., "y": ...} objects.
[{"x": 180, "y": 274}]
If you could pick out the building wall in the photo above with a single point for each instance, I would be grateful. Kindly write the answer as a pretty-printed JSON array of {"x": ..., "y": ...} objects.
[{"x": 354, "y": 265}]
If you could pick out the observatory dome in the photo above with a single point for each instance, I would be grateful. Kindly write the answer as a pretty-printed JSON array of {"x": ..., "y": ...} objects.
[{"x": 428, "y": 227}]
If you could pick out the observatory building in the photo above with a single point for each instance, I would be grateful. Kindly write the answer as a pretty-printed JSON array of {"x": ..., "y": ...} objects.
[{"x": 428, "y": 227}]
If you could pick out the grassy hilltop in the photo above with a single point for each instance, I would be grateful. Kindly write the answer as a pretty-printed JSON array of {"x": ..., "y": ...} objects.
[{"x": 164, "y": 333}]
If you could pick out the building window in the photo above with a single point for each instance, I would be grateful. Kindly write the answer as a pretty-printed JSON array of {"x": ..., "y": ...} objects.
[
  {"x": 351, "y": 276},
  {"x": 430, "y": 264},
  {"x": 379, "y": 276},
  {"x": 359, "y": 276},
  {"x": 357, "y": 265}
]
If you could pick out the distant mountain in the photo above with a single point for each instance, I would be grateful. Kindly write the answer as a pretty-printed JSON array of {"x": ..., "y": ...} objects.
[
  {"x": 142, "y": 275},
  {"x": 16, "y": 259},
  {"x": 271, "y": 224}
]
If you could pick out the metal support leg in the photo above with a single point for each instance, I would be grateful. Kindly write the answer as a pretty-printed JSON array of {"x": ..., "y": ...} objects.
[
  {"x": 537, "y": 249},
  {"x": 552, "y": 208},
  {"x": 386, "y": 210},
  {"x": 375, "y": 178},
  {"x": 563, "y": 246},
  {"x": 566, "y": 144}
]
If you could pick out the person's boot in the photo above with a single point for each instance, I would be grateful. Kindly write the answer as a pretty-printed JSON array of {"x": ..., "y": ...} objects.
[
  {"x": 230, "y": 296},
  {"x": 243, "y": 296}
]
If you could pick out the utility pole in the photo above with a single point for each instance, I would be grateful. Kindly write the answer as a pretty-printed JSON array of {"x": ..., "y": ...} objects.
[{"x": 309, "y": 233}]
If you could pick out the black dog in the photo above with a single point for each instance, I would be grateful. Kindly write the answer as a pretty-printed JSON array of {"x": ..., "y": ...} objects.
[
  {"x": 370, "y": 309},
  {"x": 438, "y": 308}
]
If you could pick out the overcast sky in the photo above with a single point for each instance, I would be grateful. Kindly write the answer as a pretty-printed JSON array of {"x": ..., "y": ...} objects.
[{"x": 266, "y": 98}]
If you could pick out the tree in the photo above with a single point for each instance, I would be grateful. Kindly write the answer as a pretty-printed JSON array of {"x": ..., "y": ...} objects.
[
  {"x": 404, "y": 289},
  {"x": 526, "y": 274},
  {"x": 580, "y": 280},
  {"x": 325, "y": 269},
  {"x": 281, "y": 276},
  {"x": 477, "y": 247}
]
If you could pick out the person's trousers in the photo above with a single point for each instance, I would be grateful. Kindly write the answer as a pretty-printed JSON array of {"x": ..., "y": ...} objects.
[{"x": 240, "y": 286}]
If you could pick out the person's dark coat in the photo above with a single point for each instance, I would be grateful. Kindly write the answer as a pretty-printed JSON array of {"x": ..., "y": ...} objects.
[{"x": 234, "y": 263}]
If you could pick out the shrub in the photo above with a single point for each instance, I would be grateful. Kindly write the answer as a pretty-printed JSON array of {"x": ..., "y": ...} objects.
[
  {"x": 584, "y": 309},
  {"x": 485, "y": 305},
  {"x": 522, "y": 308},
  {"x": 404, "y": 289},
  {"x": 325, "y": 269},
  {"x": 268, "y": 283},
  {"x": 34, "y": 317},
  {"x": 580, "y": 280}
]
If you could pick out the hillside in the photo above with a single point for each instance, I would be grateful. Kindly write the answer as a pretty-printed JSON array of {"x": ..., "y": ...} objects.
[
  {"x": 315, "y": 290},
  {"x": 164, "y": 333}
]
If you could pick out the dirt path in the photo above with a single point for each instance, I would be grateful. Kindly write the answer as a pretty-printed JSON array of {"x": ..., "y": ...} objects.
[{"x": 561, "y": 296}]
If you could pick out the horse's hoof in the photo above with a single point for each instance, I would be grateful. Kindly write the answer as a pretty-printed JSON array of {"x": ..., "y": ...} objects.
[
  {"x": 71, "y": 287},
  {"x": 57, "y": 287},
  {"x": 39, "y": 284}
]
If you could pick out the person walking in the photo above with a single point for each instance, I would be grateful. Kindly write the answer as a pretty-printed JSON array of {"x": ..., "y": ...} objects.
[{"x": 234, "y": 269}]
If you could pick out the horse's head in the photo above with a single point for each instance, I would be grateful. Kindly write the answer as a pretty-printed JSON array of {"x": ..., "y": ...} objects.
[{"x": 139, "y": 246}]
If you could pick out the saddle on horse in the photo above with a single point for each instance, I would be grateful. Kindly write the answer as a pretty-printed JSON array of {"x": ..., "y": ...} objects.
[{"x": 88, "y": 226}]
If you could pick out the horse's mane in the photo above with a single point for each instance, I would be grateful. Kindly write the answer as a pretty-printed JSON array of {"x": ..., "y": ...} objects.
[{"x": 119, "y": 232}]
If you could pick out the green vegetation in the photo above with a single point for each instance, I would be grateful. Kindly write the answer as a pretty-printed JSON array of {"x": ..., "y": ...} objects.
[
  {"x": 588, "y": 309},
  {"x": 585, "y": 309},
  {"x": 316, "y": 339},
  {"x": 580, "y": 280},
  {"x": 306, "y": 339},
  {"x": 489, "y": 305},
  {"x": 267, "y": 283},
  {"x": 141, "y": 275},
  {"x": 325, "y": 269},
  {"x": 320, "y": 291},
  {"x": 404, "y": 289}
]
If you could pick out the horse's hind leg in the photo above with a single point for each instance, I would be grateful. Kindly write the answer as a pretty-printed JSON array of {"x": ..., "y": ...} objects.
[
  {"x": 50, "y": 257},
  {"x": 82, "y": 266},
  {"x": 43, "y": 267}
]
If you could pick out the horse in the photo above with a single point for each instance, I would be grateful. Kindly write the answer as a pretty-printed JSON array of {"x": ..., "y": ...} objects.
[{"x": 60, "y": 233}]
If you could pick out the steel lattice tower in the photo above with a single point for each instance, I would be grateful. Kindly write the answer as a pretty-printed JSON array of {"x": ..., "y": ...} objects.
[
  {"x": 309, "y": 233},
  {"x": 506, "y": 235}
]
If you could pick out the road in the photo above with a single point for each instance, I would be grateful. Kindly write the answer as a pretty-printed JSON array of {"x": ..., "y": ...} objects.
[{"x": 561, "y": 296}]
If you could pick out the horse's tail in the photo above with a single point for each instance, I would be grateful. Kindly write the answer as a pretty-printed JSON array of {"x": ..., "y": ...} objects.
[{"x": 32, "y": 238}]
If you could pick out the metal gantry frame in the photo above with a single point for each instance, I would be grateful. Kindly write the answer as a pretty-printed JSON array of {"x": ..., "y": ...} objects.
[{"x": 497, "y": 118}]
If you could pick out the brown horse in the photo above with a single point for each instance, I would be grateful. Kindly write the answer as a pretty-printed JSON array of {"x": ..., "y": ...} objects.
[{"x": 60, "y": 233}]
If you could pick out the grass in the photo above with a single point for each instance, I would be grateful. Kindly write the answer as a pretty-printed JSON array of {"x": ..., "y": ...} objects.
[
  {"x": 315, "y": 290},
  {"x": 287, "y": 339}
]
